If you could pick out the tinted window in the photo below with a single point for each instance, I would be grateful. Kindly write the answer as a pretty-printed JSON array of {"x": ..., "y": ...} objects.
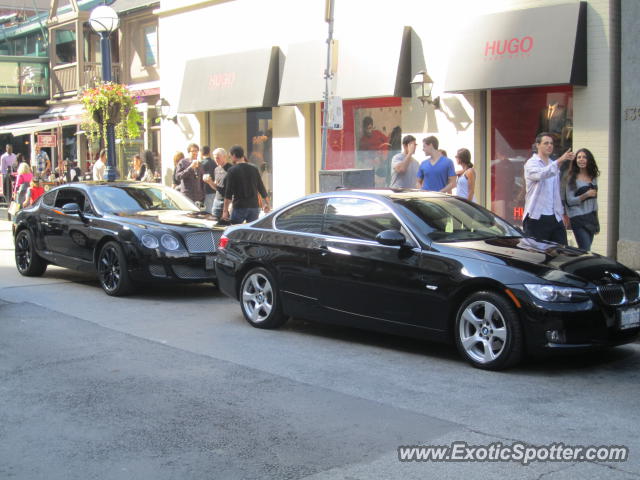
[
  {"x": 137, "y": 198},
  {"x": 305, "y": 217},
  {"x": 450, "y": 219},
  {"x": 70, "y": 195},
  {"x": 357, "y": 218},
  {"x": 49, "y": 198}
]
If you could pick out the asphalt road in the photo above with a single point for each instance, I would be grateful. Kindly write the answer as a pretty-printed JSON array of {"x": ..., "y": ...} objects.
[{"x": 173, "y": 383}]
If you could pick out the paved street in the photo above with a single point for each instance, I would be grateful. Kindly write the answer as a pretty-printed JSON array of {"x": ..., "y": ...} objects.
[{"x": 173, "y": 383}]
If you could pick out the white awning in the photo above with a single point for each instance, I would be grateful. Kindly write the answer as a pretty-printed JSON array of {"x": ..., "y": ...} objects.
[{"x": 35, "y": 125}]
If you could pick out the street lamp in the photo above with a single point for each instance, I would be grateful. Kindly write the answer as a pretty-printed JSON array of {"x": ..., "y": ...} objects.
[
  {"x": 163, "y": 107},
  {"x": 421, "y": 87},
  {"x": 104, "y": 21}
]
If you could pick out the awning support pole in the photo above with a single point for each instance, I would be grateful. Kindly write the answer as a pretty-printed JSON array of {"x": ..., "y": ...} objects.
[{"x": 327, "y": 79}]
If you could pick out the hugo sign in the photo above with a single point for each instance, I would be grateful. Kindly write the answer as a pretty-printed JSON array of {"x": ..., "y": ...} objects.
[{"x": 512, "y": 46}]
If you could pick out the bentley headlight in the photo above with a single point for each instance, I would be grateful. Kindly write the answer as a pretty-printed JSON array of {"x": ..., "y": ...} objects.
[
  {"x": 150, "y": 241},
  {"x": 170, "y": 242},
  {"x": 556, "y": 293}
]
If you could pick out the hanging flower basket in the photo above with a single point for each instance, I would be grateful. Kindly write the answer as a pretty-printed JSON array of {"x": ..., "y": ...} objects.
[{"x": 110, "y": 104}]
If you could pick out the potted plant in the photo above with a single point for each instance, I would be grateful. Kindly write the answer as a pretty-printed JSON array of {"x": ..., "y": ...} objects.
[{"x": 111, "y": 103}]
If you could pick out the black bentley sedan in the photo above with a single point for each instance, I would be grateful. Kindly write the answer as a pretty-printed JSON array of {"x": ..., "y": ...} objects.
[
  {"x": 127, "y": 232},
  {"x": 427, "y": 265}
]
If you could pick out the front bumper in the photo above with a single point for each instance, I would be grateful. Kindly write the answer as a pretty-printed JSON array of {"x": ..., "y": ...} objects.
[{"x": 157, "y": 265}]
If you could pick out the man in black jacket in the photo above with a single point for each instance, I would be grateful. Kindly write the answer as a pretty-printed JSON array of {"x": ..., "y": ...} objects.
[{"x": 242, "y": 186}]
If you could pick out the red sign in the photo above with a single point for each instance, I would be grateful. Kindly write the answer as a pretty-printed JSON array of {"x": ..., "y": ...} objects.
[
  {"x": 221, "y": 80},
  {"x": 47, "y": 141},
  {"x": 510, "y": 46}
]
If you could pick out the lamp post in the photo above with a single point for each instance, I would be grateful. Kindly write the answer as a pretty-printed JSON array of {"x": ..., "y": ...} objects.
[
  {"x": 104, "y": 21},
  {"x": 421, "y": 87}
]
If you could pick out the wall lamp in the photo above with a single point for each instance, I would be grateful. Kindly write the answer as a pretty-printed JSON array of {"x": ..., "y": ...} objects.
[
  {"x": 421, "y": 87},
  {"x": 163, "y": 107}
]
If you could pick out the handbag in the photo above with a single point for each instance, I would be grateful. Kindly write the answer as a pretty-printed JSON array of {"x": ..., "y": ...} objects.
[{"x": 14, "y": 207}]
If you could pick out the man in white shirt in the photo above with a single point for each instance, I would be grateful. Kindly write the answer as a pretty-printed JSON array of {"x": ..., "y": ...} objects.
[
  {"x": 543, "y": 209},
  {"x": 100, "y": 166}
]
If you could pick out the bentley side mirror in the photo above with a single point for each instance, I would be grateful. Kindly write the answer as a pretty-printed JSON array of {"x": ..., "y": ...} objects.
[
  {"x": 392, "y": 238},
  {"x": 71, "y": 209}
]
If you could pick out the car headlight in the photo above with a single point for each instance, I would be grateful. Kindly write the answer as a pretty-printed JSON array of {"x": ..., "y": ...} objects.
[
  {"x": 150, "y": 241},
  {"x": 556, "y": 293},
  {"x": 170, "y": 242}
]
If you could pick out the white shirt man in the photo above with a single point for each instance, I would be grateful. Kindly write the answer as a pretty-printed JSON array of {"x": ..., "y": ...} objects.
[
  {"x": 404, "y": 167},
  {"x": 100, "y": 166}
]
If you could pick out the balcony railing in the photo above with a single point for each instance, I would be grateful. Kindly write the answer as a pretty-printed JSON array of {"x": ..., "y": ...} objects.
[
  {"x": 24, "y": 77},
  {"x": 64, "y": 78}
]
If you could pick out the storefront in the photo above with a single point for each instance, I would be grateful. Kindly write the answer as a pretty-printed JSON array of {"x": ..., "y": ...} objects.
[{"x": 501, "y": 77}]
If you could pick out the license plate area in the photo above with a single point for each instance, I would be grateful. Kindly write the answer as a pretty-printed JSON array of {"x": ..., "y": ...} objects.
[
  {"x": 209, "y": 262},
  {"x": 628, "y": 318}
]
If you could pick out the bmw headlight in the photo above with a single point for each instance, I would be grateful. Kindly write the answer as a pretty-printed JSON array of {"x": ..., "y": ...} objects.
[
  {"x": 556, "y": 293},
  {"x": 169, "y": 242},
  {"x": 150, "y": 241}
]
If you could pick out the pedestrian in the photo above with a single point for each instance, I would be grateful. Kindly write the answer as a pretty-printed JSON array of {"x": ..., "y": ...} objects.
[
  {"x": 404, "y": 166},
  {"x": 100, "y": 166},
  {"x": 22, "y": 182},
  {"x": 543, "y": 209},
  {"x": 7, "y": 166},
  {"x": 243, "y": 184},
  {"x": 43, "y": 164},
  {"x": 223, "y": 166},
  {"x": 437, "y": 172},
  {"x": 208, "y": 178},
  {"x": 189, "y": 174},
  {"x": 466, "y": 185},
  {"x": 34, "y": 192},
  {"x": 580, "y": 198},
  {"x": 149, "y": 161}
]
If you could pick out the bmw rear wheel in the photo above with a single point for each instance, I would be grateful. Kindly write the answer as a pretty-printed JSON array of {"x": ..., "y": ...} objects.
[
  {"x": 259, "y": 299},
  {"x": 488, "y": 332},
  {"x": 112, "y": 270}
]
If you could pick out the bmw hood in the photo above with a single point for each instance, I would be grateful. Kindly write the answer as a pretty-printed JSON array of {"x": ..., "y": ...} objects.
[{"x": 542, "y": 258}]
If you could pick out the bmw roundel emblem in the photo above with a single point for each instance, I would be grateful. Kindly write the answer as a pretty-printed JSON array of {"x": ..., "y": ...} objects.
[{"x": 615, "y": 276}]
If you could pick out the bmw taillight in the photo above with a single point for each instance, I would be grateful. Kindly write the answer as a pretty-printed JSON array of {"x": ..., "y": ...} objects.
[{"x": 222, "y": 244}]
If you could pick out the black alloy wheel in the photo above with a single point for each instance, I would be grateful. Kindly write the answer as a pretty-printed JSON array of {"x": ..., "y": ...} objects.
[
  {"x": 112, "y": 270},
  {"x": 259, "y": 299},
  {"x": 488, "y": 332},
  {"x": 28, "y": 262}
]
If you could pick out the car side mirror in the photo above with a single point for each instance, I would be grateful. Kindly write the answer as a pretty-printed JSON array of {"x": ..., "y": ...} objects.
[
  {"x": 392, "y": 238},
  {"x": 71, "y": 209}
]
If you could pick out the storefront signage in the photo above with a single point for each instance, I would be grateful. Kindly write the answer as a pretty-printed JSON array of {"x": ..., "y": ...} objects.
[
  {"x": 511, "y": 46},
  {"x": 47, "y": 140},
  {"x": 221, "y": 80}
]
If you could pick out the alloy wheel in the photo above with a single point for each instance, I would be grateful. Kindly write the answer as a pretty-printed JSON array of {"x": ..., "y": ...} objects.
[
  {"x": 109, "y": 269},
  {"x": 257, "y": 297},
  {"x": 23, "y": 252},
  {"x": 483, "y": 331}
]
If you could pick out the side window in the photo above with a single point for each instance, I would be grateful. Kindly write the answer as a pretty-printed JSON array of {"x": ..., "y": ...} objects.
[
  {"x": 357, "y": 218},
  {"x": 70, "y": 195},
  {"x": 305, "y": 217},
  {"x": 49, "y": 198}
]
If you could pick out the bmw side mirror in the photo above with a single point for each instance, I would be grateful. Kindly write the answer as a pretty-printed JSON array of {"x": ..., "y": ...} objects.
[
  {"x": 392, "y": 238},
  {"x": 71, "y": 209}
]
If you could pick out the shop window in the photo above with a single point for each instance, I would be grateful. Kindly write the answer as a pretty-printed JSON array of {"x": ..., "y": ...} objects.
[
  {"x": 370, "y": 138},
  {"x": 517, "y": 116},
  {"x": 65, "y": 45},
  {"x": 259, "y": 139},
  {"x": 150, "y": 40}
]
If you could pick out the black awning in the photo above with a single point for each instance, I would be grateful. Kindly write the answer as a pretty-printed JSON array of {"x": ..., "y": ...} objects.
[
  {"x": 522, "y": 48},
  {"x": 240, "y": 80}
]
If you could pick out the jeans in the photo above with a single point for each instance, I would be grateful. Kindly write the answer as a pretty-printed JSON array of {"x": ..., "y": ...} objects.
[
  {"x": 583, "y": 238},
  {"x": 546, "y": 228},
  {"x": 208, "y": 202},
  {"x": 217, "y": 208},
  {"x": 239, "y": 215}
]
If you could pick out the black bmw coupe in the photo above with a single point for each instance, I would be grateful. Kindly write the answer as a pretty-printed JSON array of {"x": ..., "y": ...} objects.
[
  {"x": 427, "y": 265},
  {"x": 127, "y": 232}
]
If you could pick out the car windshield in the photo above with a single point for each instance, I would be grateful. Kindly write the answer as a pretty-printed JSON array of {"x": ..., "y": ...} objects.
[
  {"x": 137, "y": 198},
  {"x": 449, "y": 219}
]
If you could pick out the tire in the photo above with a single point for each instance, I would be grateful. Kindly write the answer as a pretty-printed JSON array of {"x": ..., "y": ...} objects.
[
  {"x": 488, "y": 332},
  {"x": 259, "y": 299},
  {"x": 28, "y": 262},
  {"x": 113, "y": 270}
]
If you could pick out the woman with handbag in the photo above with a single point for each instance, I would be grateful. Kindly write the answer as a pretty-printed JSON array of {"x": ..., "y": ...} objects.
[{"x": 580, "y": 198}]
